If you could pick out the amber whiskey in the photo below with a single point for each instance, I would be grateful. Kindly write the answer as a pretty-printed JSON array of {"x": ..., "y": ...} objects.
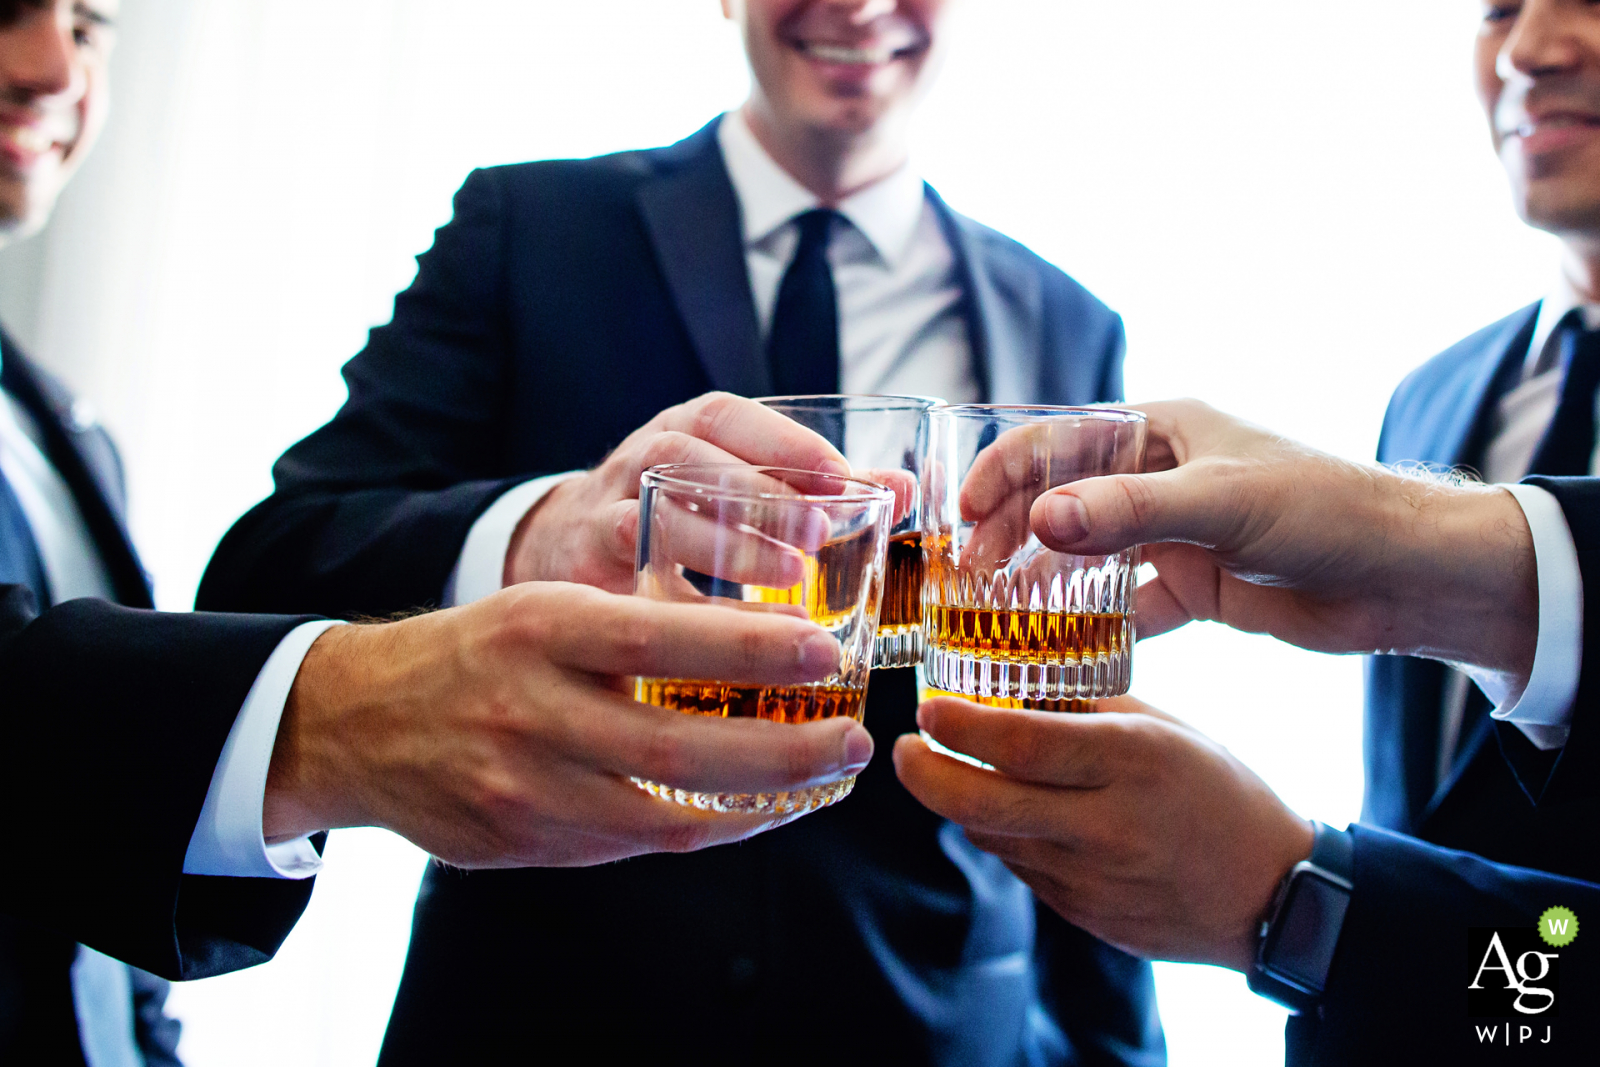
[
  {"x": 788, "y": 704},
  {"x": 1021, "y": 636},
  {"x": 833, "y": 579},
  {"x": 902, "y": 585}
]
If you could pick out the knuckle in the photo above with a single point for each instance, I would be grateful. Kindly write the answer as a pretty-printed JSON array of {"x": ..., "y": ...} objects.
[
  {"x": 714, "y": 412},
  {"x": 662, "y": 755},
  {"x": 501, "y": 811},
  {"x": 537, "y": 626},
  {"x": 1140, "y": 501},
  {"x": 636, "y": 640},
  {"x": 752, "y": 644},
  {"x": 803, "y": 757},
  {"x": 1023, "y": 750},
  {"x": 668, "y": 446}
]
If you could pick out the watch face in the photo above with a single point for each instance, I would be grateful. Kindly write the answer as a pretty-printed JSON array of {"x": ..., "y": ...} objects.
[{"x": 1300, "y": 946}]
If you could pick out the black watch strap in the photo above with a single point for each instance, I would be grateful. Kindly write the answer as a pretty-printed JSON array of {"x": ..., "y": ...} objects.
[{"x": 1297, "y": 941}]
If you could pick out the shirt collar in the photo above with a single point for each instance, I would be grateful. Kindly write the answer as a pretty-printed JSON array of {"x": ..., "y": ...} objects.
[
  {"x": 1562, "y": 300},
  {"x": 886, "y": 212}
]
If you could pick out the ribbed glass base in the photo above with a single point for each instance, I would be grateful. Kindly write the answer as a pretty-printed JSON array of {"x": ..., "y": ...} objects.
[
  {"x": 898, "y": 646},
  {"x": 1088, "y": 679},
  {"x": 797, "y": 802}
]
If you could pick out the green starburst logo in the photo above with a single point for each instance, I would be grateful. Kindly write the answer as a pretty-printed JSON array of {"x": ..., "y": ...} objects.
[{"x": 1558, "y": 927}]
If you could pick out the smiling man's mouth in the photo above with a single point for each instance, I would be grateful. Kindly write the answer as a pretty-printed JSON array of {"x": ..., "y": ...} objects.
[
  {"x": 1554, "y": 122},
  {"x": 838, "y": 53},
  {"x": 30, "y": 139}
]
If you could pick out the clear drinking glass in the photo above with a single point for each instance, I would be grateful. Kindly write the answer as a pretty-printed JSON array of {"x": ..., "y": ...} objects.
[
  {"x": 885, "y": 439},
  {"x": 765, "y": 538},
  {"x": 1005, "y": 618}
]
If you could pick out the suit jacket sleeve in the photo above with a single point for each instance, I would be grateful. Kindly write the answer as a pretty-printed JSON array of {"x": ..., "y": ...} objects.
[
  {"x": 1103, "y": 999},
  {"x": 370, "y": 511},
  {"x": 1397, "y": 991},
  {"x": 113, "y": 722}
]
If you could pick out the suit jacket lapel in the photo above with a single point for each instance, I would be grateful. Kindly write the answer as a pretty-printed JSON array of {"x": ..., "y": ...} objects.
[
  {"x": 693, "y": 218},
  {"x": 1005, "y": 313},
  {"x": 97, "y": 491},
  {"x": 1459, "y": 434}
]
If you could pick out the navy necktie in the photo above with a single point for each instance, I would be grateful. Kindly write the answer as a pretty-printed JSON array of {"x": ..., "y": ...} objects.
[
  {"x": 20, "y": 563},
  {"x": 803, "y": 347},
  {"x": 1568, "y": 444}
]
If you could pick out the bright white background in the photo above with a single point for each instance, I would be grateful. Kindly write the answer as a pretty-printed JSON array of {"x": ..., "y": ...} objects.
[{"x": 1291, "y": 204}]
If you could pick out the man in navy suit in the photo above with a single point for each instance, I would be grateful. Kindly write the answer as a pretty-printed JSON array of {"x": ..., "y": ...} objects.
[
  {"x": 1496, "y": 763},
  {"x": 787, "y": 247},
  {"x": 1516, "y": 398},
  {"x": 1391, "y": 948},
  {"x": 167, "y": 771}
]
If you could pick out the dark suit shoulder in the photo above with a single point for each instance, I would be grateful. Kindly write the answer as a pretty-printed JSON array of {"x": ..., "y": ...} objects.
[
  {"x": 1080, "y": 340},
  {"x": 614, "y": 177},
  {"x": 1448, "y": 380},
  {"x": 1059, "y": 286},
  {"x": 47, "y": 396},
  {"x": 619, "y": 173}
]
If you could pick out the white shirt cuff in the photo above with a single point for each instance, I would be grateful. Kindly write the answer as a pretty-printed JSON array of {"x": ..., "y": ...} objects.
[
  {"x": 1543, "y": 710},
  {"x": 482, "y": 564},
  {"x": 228, "y": 838}
]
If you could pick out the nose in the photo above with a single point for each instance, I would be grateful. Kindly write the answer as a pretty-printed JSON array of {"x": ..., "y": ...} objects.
[
  {"x": 1543, "y": 41},
  {"x": 38, "y": 55}
]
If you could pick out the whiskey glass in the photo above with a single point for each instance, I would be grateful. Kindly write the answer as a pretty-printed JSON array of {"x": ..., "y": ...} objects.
[
  {"x": 884, "y": 438},
  {"x": 765, "y": 539},
  {"x": 1004, "y": 618}
]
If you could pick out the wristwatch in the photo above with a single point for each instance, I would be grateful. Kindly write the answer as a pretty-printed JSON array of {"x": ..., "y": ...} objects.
[{"x": 1302, "y": 929}]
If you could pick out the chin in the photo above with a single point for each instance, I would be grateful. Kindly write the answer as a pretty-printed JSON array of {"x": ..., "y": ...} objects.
[
  {"x": 848, "y": 115},
  {"x": 25, "y": 206},
  {"x": 1563, "y": 212}
]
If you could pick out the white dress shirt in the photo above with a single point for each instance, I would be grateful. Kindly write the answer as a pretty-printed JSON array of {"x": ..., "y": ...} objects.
[
  {"x": 901, "y": 327},
  {"x": 228, "y": 838},
  {"x": 1543, "y": 710}
]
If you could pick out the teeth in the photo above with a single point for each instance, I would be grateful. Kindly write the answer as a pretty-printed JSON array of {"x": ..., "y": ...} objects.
[
  {"x": 833, "y": 53},
  {"x": 28, "y": 138}
]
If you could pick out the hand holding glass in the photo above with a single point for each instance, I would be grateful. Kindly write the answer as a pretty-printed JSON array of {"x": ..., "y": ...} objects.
[
  {"x": 1005, "y": 617},
  {"x": 766, "y": 539}
]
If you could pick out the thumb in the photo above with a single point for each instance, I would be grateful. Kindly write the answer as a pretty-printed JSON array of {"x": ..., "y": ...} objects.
[{"x": 1099, "y": 516}]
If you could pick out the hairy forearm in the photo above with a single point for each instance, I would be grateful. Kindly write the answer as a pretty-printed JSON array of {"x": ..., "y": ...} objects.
[{"x": 1460, "y": 575}]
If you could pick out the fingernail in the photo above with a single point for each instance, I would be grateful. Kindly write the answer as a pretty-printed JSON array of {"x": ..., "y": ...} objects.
[
  {"x": 1066, "y": 518},
  {"x": 818, "y": 656},
  {"x": 857, "y": 749}
]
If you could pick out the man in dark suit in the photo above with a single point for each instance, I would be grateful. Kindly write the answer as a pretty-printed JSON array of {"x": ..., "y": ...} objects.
[
  {"x": 785, "y": 248},
  {"x": 171, "y": 769},
  {"x": 1155, "y": 838},
  {"x": 1496, "y": 763},
  {"x": 1515, "y": 399}
]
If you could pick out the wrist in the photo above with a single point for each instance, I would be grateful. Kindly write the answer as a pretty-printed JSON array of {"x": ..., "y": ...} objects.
[
  {"x": 533, "y": 543},
  {"x": 1463, "y": 580},
  {"x": 306, "y": 792},
  {"x": 1300, "y": 935},
  {"x": 1292, "y": 847}
]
